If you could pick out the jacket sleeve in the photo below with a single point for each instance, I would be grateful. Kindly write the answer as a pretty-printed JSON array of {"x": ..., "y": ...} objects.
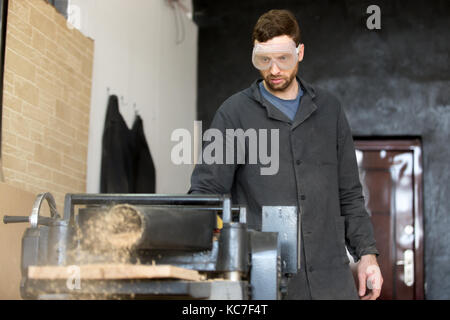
[
  {"x": 359, "y": 235},
  {"x": 215, "y": 178}
]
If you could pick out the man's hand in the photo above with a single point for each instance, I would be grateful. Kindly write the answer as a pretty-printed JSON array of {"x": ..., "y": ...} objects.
[{"x": 369, "y": 271}]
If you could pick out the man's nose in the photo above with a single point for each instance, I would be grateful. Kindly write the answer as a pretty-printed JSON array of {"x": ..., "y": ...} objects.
[{"x": 274, "y": 69}]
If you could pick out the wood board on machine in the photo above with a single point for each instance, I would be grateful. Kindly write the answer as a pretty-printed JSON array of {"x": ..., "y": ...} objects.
[{"x": 113, "y": 272}]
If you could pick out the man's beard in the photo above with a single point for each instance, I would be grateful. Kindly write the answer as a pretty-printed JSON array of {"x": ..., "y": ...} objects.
[{"x": 284, "y": 85}]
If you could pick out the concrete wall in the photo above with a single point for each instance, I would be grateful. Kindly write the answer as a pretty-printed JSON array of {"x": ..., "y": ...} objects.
[
  {"x": 391, "y": 82},
  {"x": 138, "y": 57},
  {"x": 46, "y": 100}
]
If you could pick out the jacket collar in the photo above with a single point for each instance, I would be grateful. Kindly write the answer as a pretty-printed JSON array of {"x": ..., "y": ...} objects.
[{"x": 306, "y": 108}]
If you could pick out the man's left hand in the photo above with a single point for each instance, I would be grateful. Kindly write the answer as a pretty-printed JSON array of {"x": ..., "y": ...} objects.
[{"x": 369, "y": 271}]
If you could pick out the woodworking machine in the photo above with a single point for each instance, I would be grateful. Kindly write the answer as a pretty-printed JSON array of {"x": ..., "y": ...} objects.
[{"x": 234, "y": 262}]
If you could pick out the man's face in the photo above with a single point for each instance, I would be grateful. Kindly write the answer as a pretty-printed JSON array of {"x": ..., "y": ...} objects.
[{"x": 275, "y": 78}]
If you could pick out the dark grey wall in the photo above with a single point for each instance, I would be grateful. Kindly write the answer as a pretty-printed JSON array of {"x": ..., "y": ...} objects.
[{"x": 392, "y": 82}]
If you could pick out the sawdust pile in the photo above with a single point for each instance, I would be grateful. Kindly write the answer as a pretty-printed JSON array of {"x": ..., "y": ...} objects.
[
  {"x": 111, "y": 235},
  {"x": 107, "y": 236}
]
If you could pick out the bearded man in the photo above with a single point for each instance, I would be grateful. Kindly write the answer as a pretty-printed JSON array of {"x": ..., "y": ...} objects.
[{"x": 317, "y": 170}]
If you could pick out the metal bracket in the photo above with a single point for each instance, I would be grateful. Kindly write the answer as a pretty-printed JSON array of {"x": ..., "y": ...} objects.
[{"x": 285, "y": 221}]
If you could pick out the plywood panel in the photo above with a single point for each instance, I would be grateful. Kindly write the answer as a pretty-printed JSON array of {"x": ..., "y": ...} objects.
[{"x": 113, "y": 272}]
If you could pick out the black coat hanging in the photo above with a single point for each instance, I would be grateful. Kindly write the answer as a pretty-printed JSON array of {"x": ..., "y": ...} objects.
[
  {"x": 144, "y": 169},
  {"x": 117, "y": 174},
  {"x": 127, "y": 165}
]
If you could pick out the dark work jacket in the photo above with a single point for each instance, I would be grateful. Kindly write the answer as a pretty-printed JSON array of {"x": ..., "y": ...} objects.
[
  {"x": 143, "y": 167},
  {"x": 318, "y": 173},
  {"x": 117, "y": 152},
  {"x": 127, "y": 165}
]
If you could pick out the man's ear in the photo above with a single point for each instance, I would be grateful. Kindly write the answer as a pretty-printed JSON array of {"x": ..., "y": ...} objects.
[{"x": 301, "y": 52}]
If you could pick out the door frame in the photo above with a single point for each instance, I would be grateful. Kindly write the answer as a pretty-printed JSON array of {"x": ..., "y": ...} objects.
[{"x": 414, "y": 145}]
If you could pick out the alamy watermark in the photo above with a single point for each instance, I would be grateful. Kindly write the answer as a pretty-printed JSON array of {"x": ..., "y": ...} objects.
[
  {"x": 228, "y": 146},
  {"x": 74, "y": 278},
  {"x": 374, "y": 20}
]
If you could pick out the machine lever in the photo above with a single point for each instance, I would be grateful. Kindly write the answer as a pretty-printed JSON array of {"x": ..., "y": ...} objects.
[{"x": 16, "y": 219}]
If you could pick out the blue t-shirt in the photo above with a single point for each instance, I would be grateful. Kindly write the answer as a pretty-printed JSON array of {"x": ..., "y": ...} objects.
[{"x": 288, "y": 107}]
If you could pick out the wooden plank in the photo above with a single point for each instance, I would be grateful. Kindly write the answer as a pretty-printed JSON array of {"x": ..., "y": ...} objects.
[{"x": 113, "y": 272}]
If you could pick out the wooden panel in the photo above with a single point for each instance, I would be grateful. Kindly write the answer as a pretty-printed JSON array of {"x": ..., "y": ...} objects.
[
  {"x": 378, "y": 200},
  {"x": 113, "y": 272},
  {"x": 13, "y": 202},
  {"x": 391, "y": 174}
]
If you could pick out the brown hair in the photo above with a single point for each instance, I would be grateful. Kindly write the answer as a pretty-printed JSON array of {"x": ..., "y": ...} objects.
[{"x": 276, "y": 23}]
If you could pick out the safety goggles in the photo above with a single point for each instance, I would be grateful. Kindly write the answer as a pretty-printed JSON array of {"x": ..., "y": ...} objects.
[{"x": 284, "y": 55}]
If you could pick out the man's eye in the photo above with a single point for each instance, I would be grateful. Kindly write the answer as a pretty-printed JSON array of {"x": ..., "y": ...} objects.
[
  {"x": 282, "y": 58},
  {"x": 265, "y": 59}
]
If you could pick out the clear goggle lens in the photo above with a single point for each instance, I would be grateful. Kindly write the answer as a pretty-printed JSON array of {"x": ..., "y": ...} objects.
[{"x": 285, "y": 56}]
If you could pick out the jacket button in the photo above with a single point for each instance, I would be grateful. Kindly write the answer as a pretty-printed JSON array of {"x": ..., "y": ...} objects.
[
  {"x": 310, "y": 269},
  {"x": 298, "y": 162},
  {"x": 302, "y": 197}
]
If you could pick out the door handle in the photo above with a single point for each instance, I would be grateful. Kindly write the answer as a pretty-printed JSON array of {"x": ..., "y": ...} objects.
[{"x": 408, "y": 267}]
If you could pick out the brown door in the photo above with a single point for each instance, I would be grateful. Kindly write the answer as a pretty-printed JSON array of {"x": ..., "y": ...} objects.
[{"x": 391, "y": 176}]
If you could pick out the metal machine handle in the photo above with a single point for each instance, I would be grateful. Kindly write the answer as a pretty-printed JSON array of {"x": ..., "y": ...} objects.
[
  {"x": 408, "y": 267},
  {"x": 34, "y": 219},
  {"x": 16, "y": 219}
]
